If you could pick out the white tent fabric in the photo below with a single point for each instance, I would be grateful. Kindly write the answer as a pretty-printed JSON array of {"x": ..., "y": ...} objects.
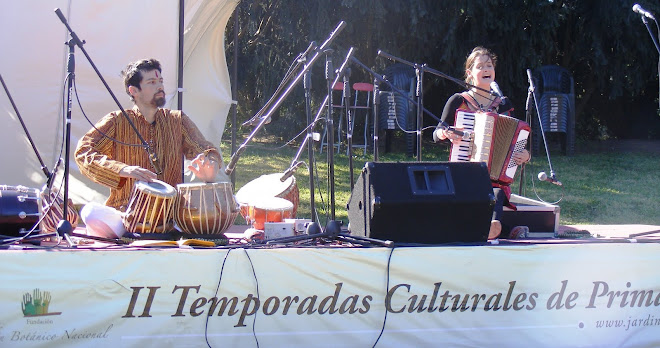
[{"x": 116, "y": 32}]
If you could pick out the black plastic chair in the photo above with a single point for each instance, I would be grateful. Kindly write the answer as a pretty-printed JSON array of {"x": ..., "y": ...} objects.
[
  {"x": 556, "y": 99},
  {"x": 396, "y": 112}
]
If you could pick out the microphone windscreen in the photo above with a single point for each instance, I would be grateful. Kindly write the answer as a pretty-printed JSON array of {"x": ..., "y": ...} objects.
[{"x": 313, "y": 228}]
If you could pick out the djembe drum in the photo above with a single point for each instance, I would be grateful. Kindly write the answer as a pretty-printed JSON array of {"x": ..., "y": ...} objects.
[
  {"x": 205, "y": 208},
  {"x": 268, "y": 209},
  {"x": 151, "y": 208},
  {"x": 267, "y": 186}
]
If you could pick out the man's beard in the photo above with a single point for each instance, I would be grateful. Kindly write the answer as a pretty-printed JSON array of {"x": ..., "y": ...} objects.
[{"x": 158, "y": 101}]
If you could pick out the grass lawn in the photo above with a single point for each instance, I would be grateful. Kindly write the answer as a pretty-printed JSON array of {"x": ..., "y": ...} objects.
[{"x": 598, "y": 188}]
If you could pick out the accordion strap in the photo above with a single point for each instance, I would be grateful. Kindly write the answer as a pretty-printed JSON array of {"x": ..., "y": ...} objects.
[{"x": 474, "y": 105}]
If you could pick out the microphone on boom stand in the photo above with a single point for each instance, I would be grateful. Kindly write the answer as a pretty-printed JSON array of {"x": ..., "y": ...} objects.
[
  {"x": 551, "y": 179},
  {"x": 289, "y": 172},
  {"x": 330, "y": 125},
  {"x": 64, "y": 228}
]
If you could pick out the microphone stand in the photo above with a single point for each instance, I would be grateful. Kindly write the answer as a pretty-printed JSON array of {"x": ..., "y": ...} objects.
[
  {"x": 425, "y": 68},
  {"x": 330, "y": 133},
  {"x": 376, "y": 103},
  {"x": 330, "y": 128},
  {"x": 655, "y": 42},
  {"x": 381, "y": 79},
  {"x": 532, "y": 92},
  {"x": 49, "y": 182},
  {"x": 419, "y": 72},
  {"x": 648, "y": 27},
  {"x": 333, "y": 227},
  {"x": 295, "y": 163},
  {"x": 47, "y": 173},
  {"x": 302, "y": 58},
  {"x": 307, "y": 86},
  {"x": 657, "y": 47},
  {"x": 349, "y": 122},
  {"x": 64, "y": 227},
  {"x": 528, "y": 119},
  {"x": 266, "y": 118}
]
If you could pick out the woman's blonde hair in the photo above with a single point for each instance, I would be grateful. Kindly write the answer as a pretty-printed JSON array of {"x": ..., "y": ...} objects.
[{"x": 471, "y": 59}]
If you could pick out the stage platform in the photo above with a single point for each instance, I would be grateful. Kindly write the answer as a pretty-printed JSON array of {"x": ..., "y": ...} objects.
[{"x": 602, "y": 289}]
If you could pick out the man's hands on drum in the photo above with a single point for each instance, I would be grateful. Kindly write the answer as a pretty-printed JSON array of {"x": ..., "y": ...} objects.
[
  {"x": 137, "y": 173},
  {"x": 204, "y": 167}
]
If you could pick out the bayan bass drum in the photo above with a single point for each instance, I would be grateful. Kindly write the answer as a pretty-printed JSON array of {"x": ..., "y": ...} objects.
[{"x": 205, "y": 208}]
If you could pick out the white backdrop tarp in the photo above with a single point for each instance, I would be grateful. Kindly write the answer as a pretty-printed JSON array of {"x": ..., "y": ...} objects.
[{"x": 116, "y": 32}]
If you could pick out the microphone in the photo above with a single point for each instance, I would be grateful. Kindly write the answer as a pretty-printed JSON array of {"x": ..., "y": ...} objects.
[
  {"x": 638, "y": 9},
  {"x": 312, "y": 47},
  {"x": 544, "y": 177},
  {"x": 289, "y": 172},
  {"x": 530, "y": 79},
  {"x": 496, "y": 89},
  {"x": 465, "y": 134},
  {"x": 59, "y": 14},
  {"x": 154, "y": 161}
]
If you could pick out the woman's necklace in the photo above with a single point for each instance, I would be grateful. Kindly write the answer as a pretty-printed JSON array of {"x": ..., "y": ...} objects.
[{"x": 479, "y": 103}]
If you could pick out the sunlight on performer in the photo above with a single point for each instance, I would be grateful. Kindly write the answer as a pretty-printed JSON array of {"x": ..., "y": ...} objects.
[
  {"x": 111, "y": 153},
  {"x": 480, "y": 72}
]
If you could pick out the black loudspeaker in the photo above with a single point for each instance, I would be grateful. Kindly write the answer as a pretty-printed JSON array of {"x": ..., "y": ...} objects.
[{"x": 422, "y": 202}]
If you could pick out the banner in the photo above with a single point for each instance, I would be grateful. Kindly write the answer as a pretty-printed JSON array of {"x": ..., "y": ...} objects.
[{"x": 578, "y": 295}]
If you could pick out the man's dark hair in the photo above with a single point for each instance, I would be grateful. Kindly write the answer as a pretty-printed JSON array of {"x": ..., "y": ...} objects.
[{"x": 132, "y": 74}]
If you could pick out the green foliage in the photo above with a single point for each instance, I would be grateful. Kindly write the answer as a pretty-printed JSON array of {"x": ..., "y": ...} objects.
[{"x": 603, "y": 44}]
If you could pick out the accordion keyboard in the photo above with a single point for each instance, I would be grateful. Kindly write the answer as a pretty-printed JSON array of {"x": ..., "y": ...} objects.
[{"x": 479, "y": 148}]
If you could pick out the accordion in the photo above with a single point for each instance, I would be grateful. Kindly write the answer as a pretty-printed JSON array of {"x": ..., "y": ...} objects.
[{"x": 495, "y": 138}]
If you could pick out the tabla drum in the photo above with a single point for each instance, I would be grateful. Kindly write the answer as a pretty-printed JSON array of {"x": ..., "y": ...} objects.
[
  {"x": 269, "y": 209},
  {"x": 20, "y": 210},
  {"x": 205, "y": 208},
  {"x": 267, "y": 186},
  {"x": 151, "y": 208},
  {"x": 52, "y": 206}
]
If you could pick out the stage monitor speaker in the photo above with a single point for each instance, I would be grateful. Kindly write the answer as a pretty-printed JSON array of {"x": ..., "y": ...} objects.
[{"x": 422, "y": 202}]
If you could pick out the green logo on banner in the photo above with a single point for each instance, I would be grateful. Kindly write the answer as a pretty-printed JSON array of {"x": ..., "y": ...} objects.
[{"x": 37, "y": 304}]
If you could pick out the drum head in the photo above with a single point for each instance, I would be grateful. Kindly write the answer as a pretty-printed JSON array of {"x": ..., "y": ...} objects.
[
  {"x": 157, "y": 187},
  {"x": 264, "y": 186},
  {"x": 273, "y": 204},
  {"x": 202, "y": 185}
]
